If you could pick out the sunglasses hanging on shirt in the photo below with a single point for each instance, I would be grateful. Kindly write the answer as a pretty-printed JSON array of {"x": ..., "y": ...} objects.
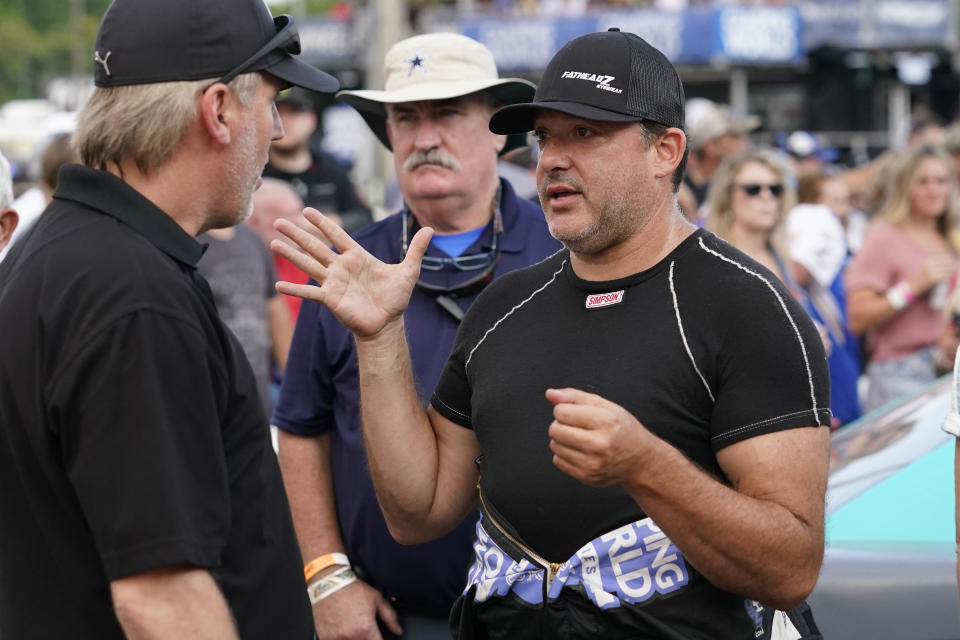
[{"x": 483, "y": 263}]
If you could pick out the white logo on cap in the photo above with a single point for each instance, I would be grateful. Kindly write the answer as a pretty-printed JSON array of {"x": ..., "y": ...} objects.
[
  {"x": 603, "y": 82},
  {"x": 103, "y": 61},
  {"x": 416, "y": 63}
]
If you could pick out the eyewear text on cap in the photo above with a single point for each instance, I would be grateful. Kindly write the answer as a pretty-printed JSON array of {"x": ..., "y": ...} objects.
[
  {"x": 287, "y": 39},
  {"x": 753, "y": 190}
]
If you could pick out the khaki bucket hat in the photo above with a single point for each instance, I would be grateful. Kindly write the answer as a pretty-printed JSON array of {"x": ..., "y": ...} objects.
[{"x": 437, "y": 66}]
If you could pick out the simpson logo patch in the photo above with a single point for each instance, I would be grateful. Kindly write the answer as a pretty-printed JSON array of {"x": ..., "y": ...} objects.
[
  {"x": 603, "y": 82},
  {"x": 597, "y": 300}
]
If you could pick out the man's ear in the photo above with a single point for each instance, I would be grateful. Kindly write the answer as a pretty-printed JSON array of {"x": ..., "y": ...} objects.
[
  {"x": 215, "y": 105},
  {"x": 669, "y": 150},
  {"x": 499, "y": 142},
  {"x": 8, "y": 222}
]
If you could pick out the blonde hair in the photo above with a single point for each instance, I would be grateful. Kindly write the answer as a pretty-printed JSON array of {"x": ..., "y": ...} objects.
[
  {"x": 896, "y": 210},
  {"x": 720, "y": 197},
  {"x": 144, "y": 123}
]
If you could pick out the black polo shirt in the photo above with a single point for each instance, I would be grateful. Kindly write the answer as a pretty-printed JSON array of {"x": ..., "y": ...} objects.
[{"x": 131, "y": 433}]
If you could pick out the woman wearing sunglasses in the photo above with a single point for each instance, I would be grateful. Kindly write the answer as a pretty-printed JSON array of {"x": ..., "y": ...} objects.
[
  {"x": 897, "y": 283},
  {"x": 747, "y": 202}
]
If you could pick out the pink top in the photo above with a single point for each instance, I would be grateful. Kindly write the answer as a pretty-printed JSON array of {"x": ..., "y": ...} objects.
[{"x": 889, "y": 256}]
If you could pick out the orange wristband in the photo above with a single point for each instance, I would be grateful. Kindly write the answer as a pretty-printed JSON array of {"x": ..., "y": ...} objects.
[{"x": 317, "y": 565}]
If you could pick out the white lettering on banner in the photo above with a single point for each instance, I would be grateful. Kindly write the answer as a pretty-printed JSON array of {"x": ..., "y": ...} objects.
[
  {"x": 662, "y": 29},
  {"x": 924, "y": 15},
  {"x": 764, "y": 33},
  {"x": 493, "y": 555},
  {"x": 591, "y": 577},
  {"x": 631, "y": 564},
  {"x": 518, "y": 44},
  {"x": 597, "y": 300},
  {"x": 626, "y": 538}
]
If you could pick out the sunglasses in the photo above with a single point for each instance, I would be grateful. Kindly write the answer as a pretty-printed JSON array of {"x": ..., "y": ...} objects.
[
  {"x": 753, "y": 190},
  {"x": 286, "y": 39},
  {"x": 487, "y": 261}
]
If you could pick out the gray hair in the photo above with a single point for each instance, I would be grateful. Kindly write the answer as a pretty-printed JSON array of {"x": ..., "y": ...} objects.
[
  {"x": 144, "y": 123},
  {"x": 6, "y": 184}
]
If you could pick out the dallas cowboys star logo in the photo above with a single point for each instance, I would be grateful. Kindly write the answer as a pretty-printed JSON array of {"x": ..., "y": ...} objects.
[{"x": 416, "y": 62}]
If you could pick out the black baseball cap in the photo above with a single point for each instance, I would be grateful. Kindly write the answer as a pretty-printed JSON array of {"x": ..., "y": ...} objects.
[
  {"x": 610, "y": 76},
  {"x": 146, "y": 41},
  {"x": 297, "y": 99}
]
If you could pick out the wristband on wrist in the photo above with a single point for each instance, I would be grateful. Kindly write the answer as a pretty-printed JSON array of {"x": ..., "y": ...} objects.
[
  {"x": 318, "y": 564},
  {"x": 330, "y": 584},
  {"x": 900, "y": 296}
]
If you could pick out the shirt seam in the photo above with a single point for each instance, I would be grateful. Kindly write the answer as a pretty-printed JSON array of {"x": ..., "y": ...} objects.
[
  {"x": 517, "y": 306},
  {"x": 765, "y": 423},
  {"x": 452, "y": 410},
  {"x": 786, "y": 312}
]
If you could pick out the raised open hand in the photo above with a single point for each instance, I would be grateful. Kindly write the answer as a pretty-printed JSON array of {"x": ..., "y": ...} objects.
[{"x": 364, "y": 293}]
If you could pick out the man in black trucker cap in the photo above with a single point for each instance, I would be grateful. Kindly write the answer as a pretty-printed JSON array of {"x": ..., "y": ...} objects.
[
  {"x": 141, "y": 495},
  {"x": 647, "y": 409}
]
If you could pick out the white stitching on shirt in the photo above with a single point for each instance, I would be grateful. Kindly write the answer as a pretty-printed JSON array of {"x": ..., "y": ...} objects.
[
  {"x": 763, "y": 423},
  {"x": 507, "y": 314},
  {"x": 683, "y": 336},
  {"x": 449, "y": 408},
  {"x": 796, "y": 331}
]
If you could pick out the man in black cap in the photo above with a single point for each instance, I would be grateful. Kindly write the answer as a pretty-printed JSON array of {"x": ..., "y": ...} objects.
[
  {"x": 317, "y": 177},
  {"x": 648, "y": 409},
  {"x": 141, "y": 496}
]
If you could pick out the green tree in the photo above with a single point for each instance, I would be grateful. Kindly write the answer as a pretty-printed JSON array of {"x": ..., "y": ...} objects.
[{"x": 37, "y": 39}]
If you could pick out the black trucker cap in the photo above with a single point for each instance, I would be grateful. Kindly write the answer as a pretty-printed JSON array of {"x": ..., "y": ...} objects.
[
  {"x": 609, "y": 76},
  {"x": 146, "y": 41}
]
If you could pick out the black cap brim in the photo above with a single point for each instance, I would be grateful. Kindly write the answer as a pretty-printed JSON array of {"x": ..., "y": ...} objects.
[
  {"x": 519, "y": 118},
  {"x": 299, "y": 73}
]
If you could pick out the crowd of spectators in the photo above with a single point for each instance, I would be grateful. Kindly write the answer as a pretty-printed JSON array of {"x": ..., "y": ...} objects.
[{"x": 870, "y": 251}]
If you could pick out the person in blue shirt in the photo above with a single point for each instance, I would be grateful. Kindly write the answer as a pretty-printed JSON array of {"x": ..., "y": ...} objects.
[{"x": 440, "y": 91}]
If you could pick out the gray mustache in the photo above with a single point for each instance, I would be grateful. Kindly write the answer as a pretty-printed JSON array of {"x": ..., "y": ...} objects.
[{"x": 431, "y": 156}]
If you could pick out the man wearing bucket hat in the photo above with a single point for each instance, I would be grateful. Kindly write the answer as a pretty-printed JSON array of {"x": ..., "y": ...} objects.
[
  {"x": 440, "y": 90},
  {"x": 142, "y": 498},
  {"x": 644, "y": 413}
]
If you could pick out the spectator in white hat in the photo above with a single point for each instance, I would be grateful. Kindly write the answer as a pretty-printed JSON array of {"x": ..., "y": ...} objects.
[
  {"x": 713, "y": 134},
  {"x": 440, "y": 91}
]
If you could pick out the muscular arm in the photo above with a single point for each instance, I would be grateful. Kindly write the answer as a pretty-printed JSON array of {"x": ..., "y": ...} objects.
[
  {"x": 421, "y": 463},
  {"x": 761, "y": 537},
  {"x": 175, "y": 602}
]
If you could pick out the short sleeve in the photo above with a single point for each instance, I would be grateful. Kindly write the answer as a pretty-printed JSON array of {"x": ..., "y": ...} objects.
[
  {"x": 137, "y": 416},
  {"x": 305, "y": 405},
  {"x": 772, "y": 369},
  {"x": 872, "y": 267},
  {"x": 451, "y": 396}
]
